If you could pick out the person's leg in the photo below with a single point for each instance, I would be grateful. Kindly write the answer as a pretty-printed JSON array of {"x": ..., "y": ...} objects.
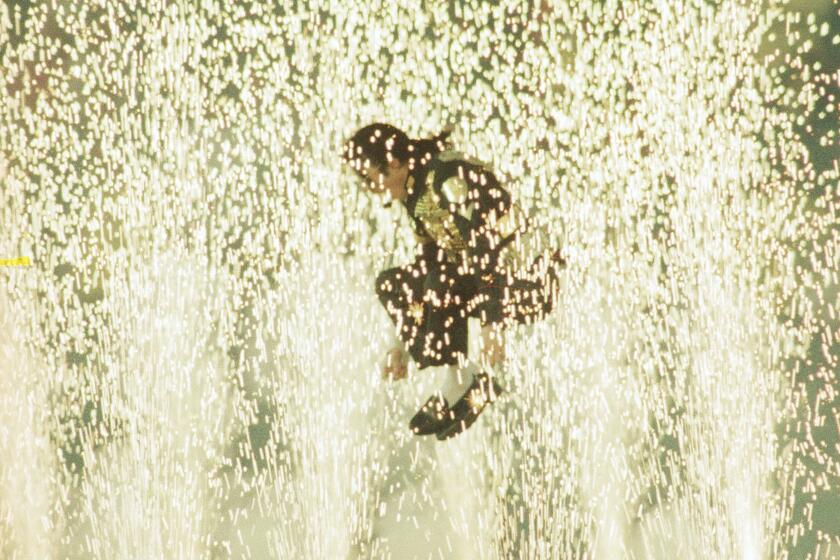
[
  {"x": 444, "y": 325},
  {"x": 444, "y": 333},
  {"x": 452, "y": 409},
  {"x": 457, "y": 380},
  {"x": 448, "y": 330},
  {"x": 475, "y": 388}
]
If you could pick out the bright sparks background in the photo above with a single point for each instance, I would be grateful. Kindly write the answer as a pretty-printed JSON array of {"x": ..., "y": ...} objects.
[{"x": 190, "y": 367}]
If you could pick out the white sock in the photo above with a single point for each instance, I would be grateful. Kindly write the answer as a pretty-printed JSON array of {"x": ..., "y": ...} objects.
[{"x": 457, "y": 381}]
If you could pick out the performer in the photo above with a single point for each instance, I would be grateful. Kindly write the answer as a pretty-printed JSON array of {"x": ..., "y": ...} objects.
[{"x": 466, "y": 227}]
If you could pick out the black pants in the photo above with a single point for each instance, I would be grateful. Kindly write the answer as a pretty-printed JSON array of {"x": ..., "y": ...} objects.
[{"x": 430, "y": 303}]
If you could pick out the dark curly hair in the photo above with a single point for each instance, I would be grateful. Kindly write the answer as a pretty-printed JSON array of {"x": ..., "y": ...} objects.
[{"x": 378, "y": 143}]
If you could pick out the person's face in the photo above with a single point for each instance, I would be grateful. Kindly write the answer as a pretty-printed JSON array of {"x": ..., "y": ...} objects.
[
  {"x": 373, "y": 179},
  {"x": 390, "y": 180}
]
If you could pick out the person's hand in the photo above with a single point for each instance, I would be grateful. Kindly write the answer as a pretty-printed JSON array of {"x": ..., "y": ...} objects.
[
  {"x": 395, "y": 366},
  {"x": 493, "y": 345}
]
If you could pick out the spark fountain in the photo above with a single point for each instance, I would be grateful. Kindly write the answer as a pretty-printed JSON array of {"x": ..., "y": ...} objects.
[{"x": 190, "y": 364}]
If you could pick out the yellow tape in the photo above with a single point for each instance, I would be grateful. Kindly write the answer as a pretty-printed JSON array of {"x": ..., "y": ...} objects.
[{"x": 20, "y": 261}]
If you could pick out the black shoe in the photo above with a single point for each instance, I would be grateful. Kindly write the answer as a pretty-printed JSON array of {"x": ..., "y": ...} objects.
[
  {"x": 432, "y": 417},
  {"x": 483, "y": 391}
]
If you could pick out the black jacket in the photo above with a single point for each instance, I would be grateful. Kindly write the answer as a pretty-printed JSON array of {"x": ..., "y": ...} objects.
[{"x": 459, "y": 207}]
